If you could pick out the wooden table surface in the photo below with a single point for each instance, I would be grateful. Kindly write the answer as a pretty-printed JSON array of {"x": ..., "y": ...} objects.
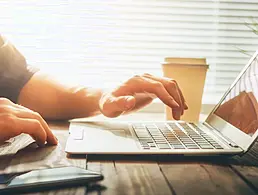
[{"x": 136, "y": 175}]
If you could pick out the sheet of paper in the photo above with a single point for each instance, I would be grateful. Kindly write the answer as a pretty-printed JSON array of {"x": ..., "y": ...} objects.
[{"x": 13, "y": 145}]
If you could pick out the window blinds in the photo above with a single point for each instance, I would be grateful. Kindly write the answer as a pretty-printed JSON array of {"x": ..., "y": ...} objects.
[{"x": 101, "y": 43}]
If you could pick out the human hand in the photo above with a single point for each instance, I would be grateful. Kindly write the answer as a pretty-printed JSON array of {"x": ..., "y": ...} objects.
[
  {"x": 139, "y": 91},
  {"x": 16, "y": 119}
]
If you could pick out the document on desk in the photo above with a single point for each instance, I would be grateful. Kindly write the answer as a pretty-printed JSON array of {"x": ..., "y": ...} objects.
[{"x": 13, "y": 145}]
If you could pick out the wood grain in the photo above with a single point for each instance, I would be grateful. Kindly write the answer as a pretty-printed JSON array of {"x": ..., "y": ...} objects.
[
  {"x": 34, "y": 157},
  {"x": 246, "y": 167},
  {"x": 4, "y": 162},
  {"x": 249, "y": 174},
  {"x": 131, "y": 177},
  {"x": 78, "y": 162},
  {"x": 156, "y": 176},
  {"x": 203, "y": 179}
]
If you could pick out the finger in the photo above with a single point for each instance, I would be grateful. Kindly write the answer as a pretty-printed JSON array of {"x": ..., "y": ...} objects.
[
  {"x": 168, "y": 82},
  {"x": 26, "y": 113},
  {"x": 156, "y": 87},
  {"x": 176, "y": 112},
  {"x": 33, "y": 128},
  {"x": 170, "y": 85},
  {"x": 7, "y": 122},
  {"x": 185, "y": 104},
  {"x": 114, "y": 106},
  {"x": 11, "y": 119},
  {"x": 139, "y": 84},
  {"x": 182, "y": 97},
  {"x": 172, "y": 89},
  {"x": 142, "y": 100}
]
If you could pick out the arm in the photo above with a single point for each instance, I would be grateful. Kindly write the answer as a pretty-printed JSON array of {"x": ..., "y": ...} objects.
[
  {"x": 40, "y": 96},
  {"x": 54, "y": 100}
]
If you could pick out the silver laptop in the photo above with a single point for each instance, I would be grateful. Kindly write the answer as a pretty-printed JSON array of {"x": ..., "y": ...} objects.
[{"x": 231, "y": 128}]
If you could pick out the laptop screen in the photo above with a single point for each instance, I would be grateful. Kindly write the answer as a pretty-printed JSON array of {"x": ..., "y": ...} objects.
[{"x": 240, "y": 107}]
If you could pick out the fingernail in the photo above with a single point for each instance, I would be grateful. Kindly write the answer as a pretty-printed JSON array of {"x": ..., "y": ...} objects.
[
  {"x": 185, "y": 106},
  {"x": 176, "y": 114},
  {"x": 176, "y": 117},
  {"x": 56, "y": 141}
]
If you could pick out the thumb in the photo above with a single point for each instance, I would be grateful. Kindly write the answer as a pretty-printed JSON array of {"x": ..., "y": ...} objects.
[{"x": 115, "y": 106}]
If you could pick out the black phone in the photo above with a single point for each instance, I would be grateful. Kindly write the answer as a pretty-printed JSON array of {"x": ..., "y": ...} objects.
[{"x": 46, "y": 179}]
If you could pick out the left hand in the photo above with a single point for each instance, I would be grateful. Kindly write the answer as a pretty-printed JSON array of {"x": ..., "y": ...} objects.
[{"x": 139, "y": 91}]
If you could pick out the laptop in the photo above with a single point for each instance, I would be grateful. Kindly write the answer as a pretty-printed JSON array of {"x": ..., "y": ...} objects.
[{"x": 230, "y": 128}]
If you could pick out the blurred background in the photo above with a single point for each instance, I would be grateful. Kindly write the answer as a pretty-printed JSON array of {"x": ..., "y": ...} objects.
[{"x": 101, "y": 43}]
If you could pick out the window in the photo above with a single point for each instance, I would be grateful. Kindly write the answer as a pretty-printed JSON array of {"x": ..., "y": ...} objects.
[{"x": 100, "y": 43}]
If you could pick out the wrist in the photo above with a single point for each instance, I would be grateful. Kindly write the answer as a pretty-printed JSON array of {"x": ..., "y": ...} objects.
[
  {"x": 81, "y": 102},
  {"x": 103, "y": 95}
]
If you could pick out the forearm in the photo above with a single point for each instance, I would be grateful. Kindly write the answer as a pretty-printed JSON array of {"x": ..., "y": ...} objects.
[{"x": 56, "y": 101}]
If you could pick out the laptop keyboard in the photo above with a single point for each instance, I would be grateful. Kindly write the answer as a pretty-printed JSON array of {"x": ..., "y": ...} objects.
[{"x": 173, "y": 136}]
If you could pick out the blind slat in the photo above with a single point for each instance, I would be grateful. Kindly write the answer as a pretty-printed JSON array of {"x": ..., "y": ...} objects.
[{"x": 87, "y": 40}]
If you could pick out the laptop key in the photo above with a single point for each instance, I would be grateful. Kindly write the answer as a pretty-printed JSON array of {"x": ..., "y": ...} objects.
[
  {"x": 184, "y": 138},
  {"x": 145, "y": 146},
  {"x": 146, "y": 141},
  {"x": 218, "y": 147},
  {"x": 173, "y": 125},
  {"x": 143, "y": 135},
  {"x": 163, "y": 146},
  {"x": 206, "y": 146},
  {"x": 159, "y": 139},
  {"x": 173, "y": 140},
  {"x": 177, "y": 146},
  {"x": 150, "y": 126},
  {"x": 192, "y": 147},
  {"x": 176, "y": 143},
  {"x": 213, "y": 143},
  {"x": 189, "y": 142},
  {"x": 160, "y": 143},
  {"x": 201, "y": 141},
  {"x": 152, "y": 145}
]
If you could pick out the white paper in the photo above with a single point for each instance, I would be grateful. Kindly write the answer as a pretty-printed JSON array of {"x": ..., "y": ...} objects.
[{"x": 13, "y": 145}]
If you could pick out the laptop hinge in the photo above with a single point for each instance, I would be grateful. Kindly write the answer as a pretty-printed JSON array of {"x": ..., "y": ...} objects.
[{"x": 228, "y": 141}]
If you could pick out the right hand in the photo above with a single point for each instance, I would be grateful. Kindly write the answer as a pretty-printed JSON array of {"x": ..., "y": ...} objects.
[
  {"x": 16, "y": 119},
  {"x": 139, "y": 91}
]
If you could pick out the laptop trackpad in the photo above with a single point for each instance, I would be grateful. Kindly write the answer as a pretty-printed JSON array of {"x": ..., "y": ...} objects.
[{"x": 101, "y": 139}]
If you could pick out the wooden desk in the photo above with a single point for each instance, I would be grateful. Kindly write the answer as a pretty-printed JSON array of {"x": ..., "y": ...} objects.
[{"x": 179, "y": 176}]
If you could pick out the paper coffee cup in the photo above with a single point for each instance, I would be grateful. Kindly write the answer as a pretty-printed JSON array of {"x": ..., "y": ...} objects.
[{"x": 190, "y": 74}]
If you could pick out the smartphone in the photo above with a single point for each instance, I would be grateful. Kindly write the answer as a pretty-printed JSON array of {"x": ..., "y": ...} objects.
[{"x": 46, "y": 179}]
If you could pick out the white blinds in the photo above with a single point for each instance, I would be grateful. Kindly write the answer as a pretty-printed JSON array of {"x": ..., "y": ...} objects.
[{"x": 99, "y": 43}]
